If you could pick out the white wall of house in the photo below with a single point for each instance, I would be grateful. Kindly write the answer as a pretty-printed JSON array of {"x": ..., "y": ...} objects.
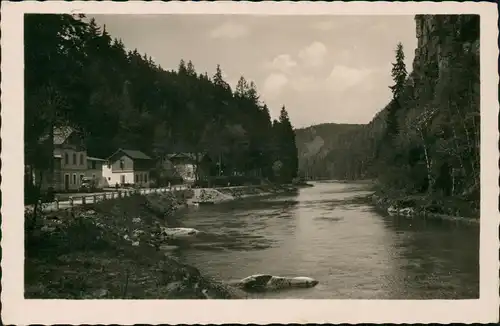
[
  {"x": 113, "y": 178},
  {"x": 107, "y": 174}
]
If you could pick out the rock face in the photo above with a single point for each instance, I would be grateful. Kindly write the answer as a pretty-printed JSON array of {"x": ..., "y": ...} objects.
[{"x": 440, "y": 37}]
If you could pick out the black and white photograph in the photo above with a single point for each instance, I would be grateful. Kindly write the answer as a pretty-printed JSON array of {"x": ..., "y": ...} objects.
[{"x": 278, "y": 159}]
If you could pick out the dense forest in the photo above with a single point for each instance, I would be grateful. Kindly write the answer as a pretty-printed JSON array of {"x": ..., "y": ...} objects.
[
  {"x": 77, "y": 75},
  {"x": 426, "y": 140}
]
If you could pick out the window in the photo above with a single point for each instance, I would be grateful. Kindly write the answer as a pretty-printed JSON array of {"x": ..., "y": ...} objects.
[
  {"x": 136, "y": 178},
  {"x": 122, "y": 164},
  {"x": 74, "y": 178},
  {"x": 109, "y": 178},
  {"x": 146, "y": 178},
  {"x": 140, "y": 177},
  {"x": 93, "y": 165},
  {"x": 74, "y": 158},
  {"x": 81, "y": 159},
  {"x": 66, "y": 158}
]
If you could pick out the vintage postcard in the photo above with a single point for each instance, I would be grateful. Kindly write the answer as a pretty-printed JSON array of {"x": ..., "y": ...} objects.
[{"x": 239, "y": 162}]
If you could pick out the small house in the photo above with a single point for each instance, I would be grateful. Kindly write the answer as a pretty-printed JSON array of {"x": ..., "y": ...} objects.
[
  {"x": 128, "y": 167},
  {"x": 186, "y": 164}
]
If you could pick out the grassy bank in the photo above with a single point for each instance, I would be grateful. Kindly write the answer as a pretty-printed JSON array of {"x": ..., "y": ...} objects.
[{"x": 112, "y": 250}]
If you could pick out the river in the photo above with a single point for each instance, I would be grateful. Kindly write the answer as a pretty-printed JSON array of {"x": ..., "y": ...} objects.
[{"x": 352, "y": 250}]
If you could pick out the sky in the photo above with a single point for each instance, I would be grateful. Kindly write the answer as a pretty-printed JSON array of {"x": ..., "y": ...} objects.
[{"x": 321, "y": 68}]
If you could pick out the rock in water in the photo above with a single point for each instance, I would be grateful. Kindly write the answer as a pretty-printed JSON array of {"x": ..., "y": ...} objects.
[
  {"x": 278, "y": 282},
  {"x": 256, "y": 282},
  {"x": 266, "y": 282},
  {"x": 179, "y": 233}
]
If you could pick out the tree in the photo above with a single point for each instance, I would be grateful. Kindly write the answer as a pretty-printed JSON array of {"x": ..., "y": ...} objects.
[
  {"x": 182, "y": 68},
  {"x": 218, "y": 79},
  {"x": 242, "y": 88},
  {"x": 286, "y": 147},
  {"x": 398, "y": 73},
  {"x": 190, "y": 71}
]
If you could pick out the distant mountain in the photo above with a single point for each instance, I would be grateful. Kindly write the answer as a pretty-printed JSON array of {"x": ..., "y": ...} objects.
[{"x": 316, "y": 142}]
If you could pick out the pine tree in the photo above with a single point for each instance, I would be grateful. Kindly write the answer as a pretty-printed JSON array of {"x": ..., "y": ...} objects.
[
  {"x": 182, "y": 67},
  {"x": 218, "y": 79},
  {"x": 398, "y": 73},
  {"x": 242, "y": 88},
  {"x": 190, "y": 69},
  {"x": 252, "y": 94},
  {"x": 287, "y": 147}
]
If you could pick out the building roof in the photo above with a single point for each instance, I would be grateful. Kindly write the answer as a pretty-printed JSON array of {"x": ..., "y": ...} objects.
[
  {"x": 61, "y": 134},
  {"x": 90, "y": 158},
  {"x": 133, "y": 154},
  {"x": 188, "y": 155}
]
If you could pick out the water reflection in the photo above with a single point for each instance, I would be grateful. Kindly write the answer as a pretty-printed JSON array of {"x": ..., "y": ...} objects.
[{"x": 353, "y": 251}]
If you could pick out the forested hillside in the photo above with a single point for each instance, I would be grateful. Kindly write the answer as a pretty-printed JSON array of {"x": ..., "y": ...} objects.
[
  {"x": 76, "y": 74},
  {"x": 316, "y": 143},
  {"x": 426, "y": 140}
]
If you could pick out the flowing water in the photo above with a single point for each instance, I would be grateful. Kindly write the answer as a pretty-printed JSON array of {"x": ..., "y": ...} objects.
[{"x": 352, "y": 250}]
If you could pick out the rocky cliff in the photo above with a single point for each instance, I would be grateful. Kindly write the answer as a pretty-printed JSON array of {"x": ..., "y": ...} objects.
[
  {"x": 436, "y": 149},
  {"x": 442, "y": 38}
]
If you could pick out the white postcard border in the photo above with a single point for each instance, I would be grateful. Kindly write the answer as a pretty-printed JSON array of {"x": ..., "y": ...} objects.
[{"x": 17, "y": 310}]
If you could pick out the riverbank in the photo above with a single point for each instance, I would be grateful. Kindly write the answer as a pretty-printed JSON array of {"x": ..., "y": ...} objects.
[
  {"x": 428, "y": 207},
  {"x": 225, "y": 194},
  {"x": 120, "y": 249},
  {"x": 114, "y": 250}
]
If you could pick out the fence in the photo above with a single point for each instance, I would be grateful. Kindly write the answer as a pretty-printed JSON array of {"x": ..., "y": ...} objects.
[{"x": 94, "y": 198}]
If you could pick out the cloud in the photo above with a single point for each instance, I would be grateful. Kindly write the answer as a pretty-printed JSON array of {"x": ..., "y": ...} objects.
[
  {"x": 314, "y": 54},
  {"x": 344, "y": 77},
  {"x": 283, "y": 63},
  {"x": 306, "y": 83},
  {"x": 274, "y": 83},
  {"x": 230, "y": 30}
]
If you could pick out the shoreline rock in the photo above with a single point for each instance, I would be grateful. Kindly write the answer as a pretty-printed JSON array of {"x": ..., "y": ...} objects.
[{"x": 391, "y": 207}]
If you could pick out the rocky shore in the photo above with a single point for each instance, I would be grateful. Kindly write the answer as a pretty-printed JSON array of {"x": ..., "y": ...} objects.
[
  {"x": 121, "y": 249},
  {"x": 218, "y": 195},
  {"x": 422, "y": 207}
]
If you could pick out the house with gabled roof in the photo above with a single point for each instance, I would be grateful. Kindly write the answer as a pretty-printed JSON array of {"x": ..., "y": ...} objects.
[
  {"x": 128, "y": 167},
  {"x": 71, "y": 163},
  {"x": 186, "y": 164}
]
